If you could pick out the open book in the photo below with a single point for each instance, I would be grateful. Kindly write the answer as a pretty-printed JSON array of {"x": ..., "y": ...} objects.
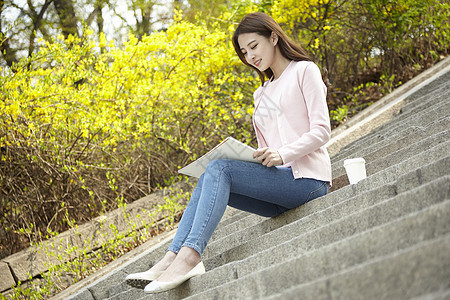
[{"x": 229, "y": 148}]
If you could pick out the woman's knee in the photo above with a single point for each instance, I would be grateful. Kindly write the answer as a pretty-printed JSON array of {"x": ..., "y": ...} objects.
[{"x": 216, "y": 165}]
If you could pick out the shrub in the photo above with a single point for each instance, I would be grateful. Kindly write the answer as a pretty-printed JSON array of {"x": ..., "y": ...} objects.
[
  {"x": 360, "y": 42},
  {"x": 85, "y": 124}
]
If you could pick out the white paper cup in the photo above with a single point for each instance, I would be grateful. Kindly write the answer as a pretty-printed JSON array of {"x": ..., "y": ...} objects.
[{"x": 356, "y": 169}]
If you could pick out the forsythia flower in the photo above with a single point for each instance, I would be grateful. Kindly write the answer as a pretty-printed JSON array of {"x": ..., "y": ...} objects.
[{"x": 316, "y": 43}]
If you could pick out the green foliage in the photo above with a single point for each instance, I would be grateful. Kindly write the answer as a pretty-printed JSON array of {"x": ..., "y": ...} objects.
[
  {"x": 69, "y": 265},
  {"x": 362, "y": 44},
  {"x": 85, "y": 124},
  {"x": 351, "y": 37}
]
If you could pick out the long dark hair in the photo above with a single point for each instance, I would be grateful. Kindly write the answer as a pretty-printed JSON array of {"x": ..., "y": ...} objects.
[{"x": 264, "y": 25}]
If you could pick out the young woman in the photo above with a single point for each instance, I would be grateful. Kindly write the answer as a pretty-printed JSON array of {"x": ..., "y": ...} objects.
[{"x": 292, "y": 125}]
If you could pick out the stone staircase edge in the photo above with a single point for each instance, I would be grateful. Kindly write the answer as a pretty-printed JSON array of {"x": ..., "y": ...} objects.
[
  {"x": 115, "y": 266},
  {"x": 371, "y": 262},
  {"x": 384, "y": 109}
]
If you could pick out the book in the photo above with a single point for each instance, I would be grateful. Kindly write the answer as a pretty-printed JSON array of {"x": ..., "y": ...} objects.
[{"x": 229, "y": 148}]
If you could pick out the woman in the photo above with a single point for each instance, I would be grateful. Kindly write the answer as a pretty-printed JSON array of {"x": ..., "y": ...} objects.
[{"x": 292, "y": 125}]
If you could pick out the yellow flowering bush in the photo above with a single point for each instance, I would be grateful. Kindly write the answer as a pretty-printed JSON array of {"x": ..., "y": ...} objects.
[
  {"x": 361, "y": 42},
  {"x": 86, "y": 123}
]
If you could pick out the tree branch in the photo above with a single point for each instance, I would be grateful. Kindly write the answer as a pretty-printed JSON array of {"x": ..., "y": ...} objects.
[{"x": 67, "y": 17}]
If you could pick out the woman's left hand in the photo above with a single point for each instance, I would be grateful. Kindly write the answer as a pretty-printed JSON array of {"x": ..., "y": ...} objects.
[{"x": 268, "y": 157}]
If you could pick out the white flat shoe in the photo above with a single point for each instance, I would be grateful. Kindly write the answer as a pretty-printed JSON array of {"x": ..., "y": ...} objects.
[
  {"x": 162, "y": 286},
  {"x": 140, "y": 280}
]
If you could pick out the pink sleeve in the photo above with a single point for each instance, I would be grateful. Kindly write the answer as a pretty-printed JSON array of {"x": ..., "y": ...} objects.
[{"x": 314, "y": 94}]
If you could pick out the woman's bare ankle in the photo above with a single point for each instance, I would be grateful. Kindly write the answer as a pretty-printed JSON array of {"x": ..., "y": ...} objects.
[
  {"x": 165, "y": 262},
  {"x": 189, "y": 256},
  {"x": 184, "y": 261}
]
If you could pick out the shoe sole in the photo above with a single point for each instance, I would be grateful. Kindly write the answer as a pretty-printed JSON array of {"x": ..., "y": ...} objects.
[{"x": 138, "y": 283}]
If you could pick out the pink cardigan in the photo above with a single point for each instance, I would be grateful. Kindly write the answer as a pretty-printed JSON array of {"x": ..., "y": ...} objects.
[{"x": 294, "y": 108}]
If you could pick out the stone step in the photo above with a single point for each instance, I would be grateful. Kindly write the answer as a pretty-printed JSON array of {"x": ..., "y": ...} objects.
[
  {"x": 403, "y": 154},
  {"x": 381, "y": 112},
  {"x": 253, "y": 226},
  {"x": 309, "y": 208},
  {"x": 437, "y": 98},
  {"x": 422, "y": 174},
  {"x": 438, "y": 167},
  {"x": 421, "y": 116},
  {"x": 234, "y": 217},
  {"x": 408, "y": 181},
  {"x": 302, "y": 234},
  {"x": 428, "y": 94},
  {"x": 408, "y": 274},
  {"x": 404, "y": 139},
  {"x": 440, "y": 85},
  {"x": 426, "y": 174},
  {"x": 443, "y": 294},
  {"x": 423, "y": 145},
  {"x": 333, "y": 231},
  {"x": 247, "y": 221},
  {"x": 101, "y": 288},
  {"x": 427, "y": 116},
  {"x": 354, "y": 253},
  {"x": 409, "y": 113},
  {"x": 293, "y": 223},
  {"x": 423, "y": 161}
]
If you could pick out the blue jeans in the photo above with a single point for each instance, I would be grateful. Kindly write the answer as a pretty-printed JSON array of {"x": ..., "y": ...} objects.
[{"x": 246, "y": 186}]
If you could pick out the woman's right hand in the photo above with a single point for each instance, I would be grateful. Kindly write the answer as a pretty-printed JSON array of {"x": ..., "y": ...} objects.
[{"x": 268, "y": 157}]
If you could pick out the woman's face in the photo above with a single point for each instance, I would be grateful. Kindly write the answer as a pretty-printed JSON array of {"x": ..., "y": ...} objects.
[{"x": 258, "y": 50}]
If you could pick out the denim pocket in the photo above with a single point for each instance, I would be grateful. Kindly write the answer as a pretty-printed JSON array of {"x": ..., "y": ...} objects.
[{"x": 321, "y": 191}]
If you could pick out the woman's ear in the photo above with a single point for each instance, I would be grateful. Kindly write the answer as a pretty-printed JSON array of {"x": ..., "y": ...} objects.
[{"x": 274, "y": 38}]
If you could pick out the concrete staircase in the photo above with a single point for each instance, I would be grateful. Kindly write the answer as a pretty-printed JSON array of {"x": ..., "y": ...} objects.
[{"x": 387, "y": 237}]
